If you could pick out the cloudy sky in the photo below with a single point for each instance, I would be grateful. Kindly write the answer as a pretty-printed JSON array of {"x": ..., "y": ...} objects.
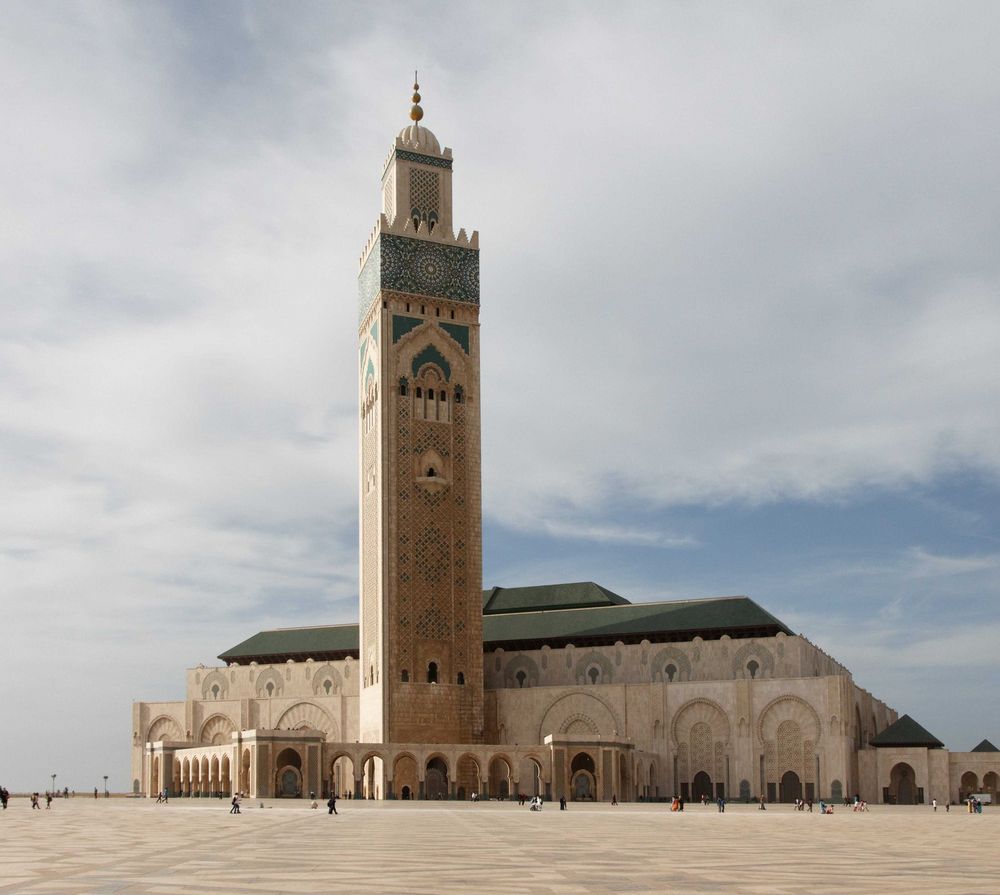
[{"x": 741, "y": 321}]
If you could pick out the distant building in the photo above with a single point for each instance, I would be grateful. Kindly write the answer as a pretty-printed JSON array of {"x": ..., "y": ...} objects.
[{"x": 444, "y": 689}]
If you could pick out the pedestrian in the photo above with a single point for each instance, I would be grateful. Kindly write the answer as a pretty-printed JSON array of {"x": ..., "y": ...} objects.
[
  {"x": 34, "y": 801},
  {"x": 4, "y": 797},
  {"x": 95, "y": 792},
  {"x": 332, "y": 804},
  {"x": 159, "y": 797},
  {"x": 562, "y": 803},
  {"x": 614, "y": 799},
  {"x": 236, "y": 805},
  {"x": 48, "y": 800},
  {"x": 934, "y": 803},
  {"x": 722, "y": 805},
  {"x": 761, "y": 807}
]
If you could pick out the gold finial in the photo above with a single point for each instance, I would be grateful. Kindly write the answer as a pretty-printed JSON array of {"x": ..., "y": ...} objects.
[{"x": 416, "y": 113}]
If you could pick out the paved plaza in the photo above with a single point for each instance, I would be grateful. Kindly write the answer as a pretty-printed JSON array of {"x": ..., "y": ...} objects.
[{"x": 135, "y": 846}]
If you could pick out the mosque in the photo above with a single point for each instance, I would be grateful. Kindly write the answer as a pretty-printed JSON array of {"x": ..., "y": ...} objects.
[{"x": 444, "y": 689}]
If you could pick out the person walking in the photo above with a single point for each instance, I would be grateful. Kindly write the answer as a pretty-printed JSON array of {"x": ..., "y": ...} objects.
[
  {"x": 332, "y": 804},
  {"x": 562, "y": 803},
  {"x": 48, "y": 800},
  {"x": 236, "y": 805},
  {"x": 34, "y": 801},
  {"x": 614, "y": 799},
  {"x": 722, "y": 805}
]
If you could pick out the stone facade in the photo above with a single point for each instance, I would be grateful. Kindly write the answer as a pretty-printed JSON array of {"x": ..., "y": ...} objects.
[{"x": 414, "y": 706}]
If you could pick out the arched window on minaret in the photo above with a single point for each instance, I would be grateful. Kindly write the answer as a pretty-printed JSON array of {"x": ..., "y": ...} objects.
[
  {"x": 430, "y": 399},
  {"x": 432, "y": 673}
]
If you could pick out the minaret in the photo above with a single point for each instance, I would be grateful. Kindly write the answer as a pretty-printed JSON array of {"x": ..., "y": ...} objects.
[{"x": 420, "y": 499}]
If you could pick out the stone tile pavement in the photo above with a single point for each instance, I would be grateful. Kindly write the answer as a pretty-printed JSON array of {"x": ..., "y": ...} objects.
[{"x": 126, "y": 847}]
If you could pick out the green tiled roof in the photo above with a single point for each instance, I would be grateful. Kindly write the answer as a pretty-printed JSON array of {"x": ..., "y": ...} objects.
[
  {"x": 281, "y": 644},
  {"x": 631, "y": 622},
  {"x": 609, "y": 618},
  {"x": 986, "y": 746},
  {"x": 549, "y": 596},
  {"x": 907, "y": 732}
]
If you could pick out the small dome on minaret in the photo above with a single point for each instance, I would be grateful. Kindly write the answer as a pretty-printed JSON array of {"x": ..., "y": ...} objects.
[{"x": 414, "y": 136}]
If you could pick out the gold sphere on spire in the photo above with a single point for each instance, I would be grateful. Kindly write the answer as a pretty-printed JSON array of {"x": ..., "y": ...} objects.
[{"x": 416, "y": 113}]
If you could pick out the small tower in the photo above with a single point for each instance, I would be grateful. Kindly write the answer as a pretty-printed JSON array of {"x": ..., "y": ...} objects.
[{"x": 420, "y": 501}]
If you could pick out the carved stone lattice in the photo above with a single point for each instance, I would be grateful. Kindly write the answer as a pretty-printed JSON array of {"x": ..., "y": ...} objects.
[
  {"x": 369, "y": 561},
  {"x": 790, "y": 747},
  {"x": 425, "y": 191},
  {"x": 683, "y": 767},
  {"x": 389, "y": 196},
  {"x": 808, "y": 761},
  {"x": 701, "y": 748}
]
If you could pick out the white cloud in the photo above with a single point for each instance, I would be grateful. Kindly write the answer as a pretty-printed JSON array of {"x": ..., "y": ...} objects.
[
  {"x": 926, "y": 564},
  {"x": 728, "y": 258}
]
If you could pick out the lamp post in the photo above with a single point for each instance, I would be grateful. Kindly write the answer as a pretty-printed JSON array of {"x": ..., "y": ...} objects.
[
  {"x": 53, "y": 784},
  {"x": 106, "y": 786}
]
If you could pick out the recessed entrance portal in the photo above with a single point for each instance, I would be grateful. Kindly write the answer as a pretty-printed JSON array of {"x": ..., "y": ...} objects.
[
  {"x": 701, "y": 786},
  {"x": 288, "y": 779},
  {"x": 790, "y": 788},
  {"x": 903, "y": 784},
  {"x": 500, "y": 778},
  {"x": 436, "y": 779},
  {"x": 583, "y": 784}
]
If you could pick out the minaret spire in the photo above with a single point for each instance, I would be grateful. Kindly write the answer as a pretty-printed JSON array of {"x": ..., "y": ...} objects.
[{"x": 416, "y": 113}]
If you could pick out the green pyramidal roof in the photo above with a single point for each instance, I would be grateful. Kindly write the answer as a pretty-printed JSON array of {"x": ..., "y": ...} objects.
[
  {"x": 549, "y": 596},
  {"x": 907, "y": 732},
  {"x": 986, "y": 746},
  {"x": 676, "y": 620},
  {"x": 268, "y": 647},
  {"x": 530, "y": 617}
]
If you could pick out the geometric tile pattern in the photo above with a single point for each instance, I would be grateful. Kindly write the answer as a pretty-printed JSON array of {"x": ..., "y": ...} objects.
[
  {"x": 423, "y": 159},
  {"x": 419, "y": 267}
]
